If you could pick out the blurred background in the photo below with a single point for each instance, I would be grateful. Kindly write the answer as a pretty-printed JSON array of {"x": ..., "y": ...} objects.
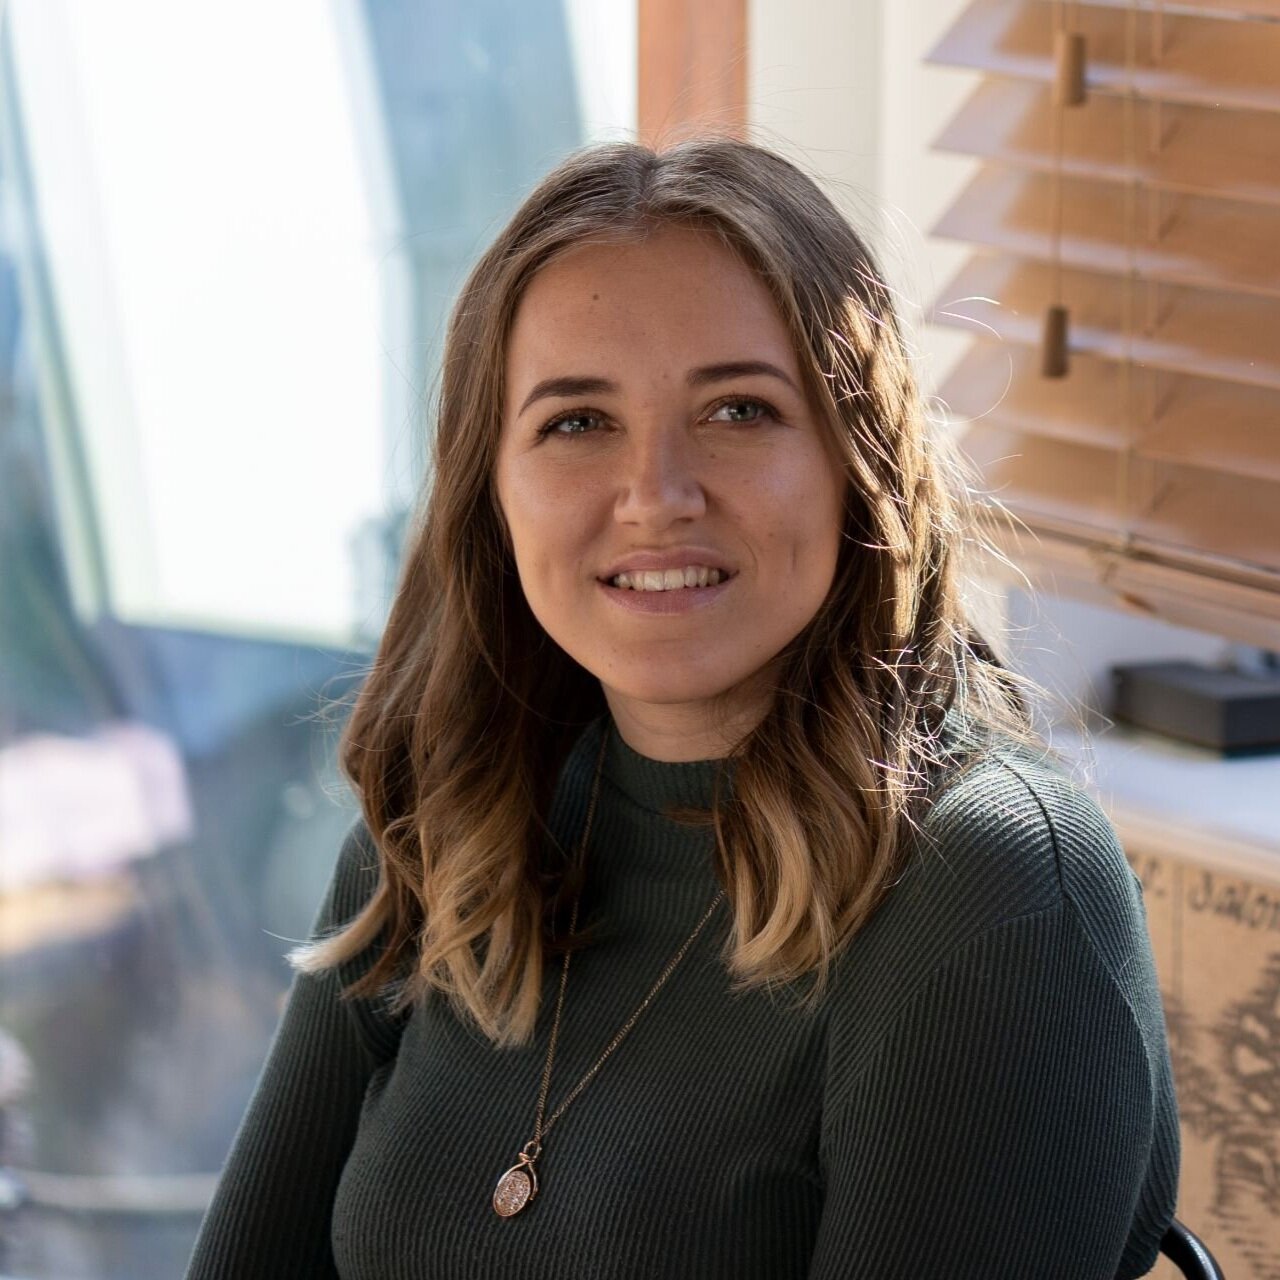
[{"x": 229, "y": 237}]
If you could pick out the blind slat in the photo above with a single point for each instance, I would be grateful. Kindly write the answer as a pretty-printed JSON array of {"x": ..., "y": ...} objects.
[
  {"x": 1206, "y": 60},
  {"x": 1243, "y": 9},
  {"x": 1230, "y": 336},
  {"x": 1230, "y": 154},
  {"x": 1203, "y": 594},
  {"x": 1195, "y": 240},
  {"x": 1001, "y": 386},
  {"x": 1173, "y": 507}
]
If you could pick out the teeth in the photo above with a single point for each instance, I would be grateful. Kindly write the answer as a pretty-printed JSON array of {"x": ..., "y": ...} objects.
[{"x": 694, "y": 575}]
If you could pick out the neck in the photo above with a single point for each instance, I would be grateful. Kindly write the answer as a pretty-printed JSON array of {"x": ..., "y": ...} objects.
[
  {"x": 671, "y": 734},
  {"x": 678, "y": 732}
]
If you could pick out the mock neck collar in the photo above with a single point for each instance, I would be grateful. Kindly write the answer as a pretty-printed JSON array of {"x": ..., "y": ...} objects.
[{"x": 659, "y": 785}]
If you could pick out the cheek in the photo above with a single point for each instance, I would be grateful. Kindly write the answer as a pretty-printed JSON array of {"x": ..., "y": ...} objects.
[
  {"x": 527, "y": 506},
  {"x": 800, "y": 512},
  {"x": 547, "y": 515}
]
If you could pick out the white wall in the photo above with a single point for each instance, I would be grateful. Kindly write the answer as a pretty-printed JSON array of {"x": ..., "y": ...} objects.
[
  {"x": 813, "y": 93},
  {"x": 840, "y": 87}
]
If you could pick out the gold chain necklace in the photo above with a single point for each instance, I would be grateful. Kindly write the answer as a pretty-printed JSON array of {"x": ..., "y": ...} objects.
[{"x": 519, "y": 1184}]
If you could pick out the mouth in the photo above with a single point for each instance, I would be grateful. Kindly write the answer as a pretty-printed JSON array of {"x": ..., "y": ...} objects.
[{"x": 655, "y": 580}]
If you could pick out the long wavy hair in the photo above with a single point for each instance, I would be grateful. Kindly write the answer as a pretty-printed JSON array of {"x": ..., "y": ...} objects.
[{"x": 468, "y": 711}]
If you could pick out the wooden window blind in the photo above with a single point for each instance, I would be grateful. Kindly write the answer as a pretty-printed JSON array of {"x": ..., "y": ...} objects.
[{"x": 1147, "y": 474}]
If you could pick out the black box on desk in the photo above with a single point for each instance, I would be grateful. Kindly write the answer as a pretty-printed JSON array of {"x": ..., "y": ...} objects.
[{"x": 1230, "y": 711}]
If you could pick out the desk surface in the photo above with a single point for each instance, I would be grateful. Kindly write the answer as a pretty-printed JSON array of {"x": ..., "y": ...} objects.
[{"x": 1205, "y": 805}]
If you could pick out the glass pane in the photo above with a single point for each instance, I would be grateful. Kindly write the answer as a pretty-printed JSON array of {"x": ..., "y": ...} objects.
[{"x": 229, "y": 236}]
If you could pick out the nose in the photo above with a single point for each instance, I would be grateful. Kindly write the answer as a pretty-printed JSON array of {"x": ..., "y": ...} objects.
[{"x": 658, "y": 481}]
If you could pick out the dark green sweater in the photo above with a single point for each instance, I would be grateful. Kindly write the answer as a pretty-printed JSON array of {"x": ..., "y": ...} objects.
[{"x": 984, "y": 1092}]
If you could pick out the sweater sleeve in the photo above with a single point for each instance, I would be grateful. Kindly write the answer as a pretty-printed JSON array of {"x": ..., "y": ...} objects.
[
  {"x": 1002, "y": 1127},
  {"x": 270, "y": 1214}
]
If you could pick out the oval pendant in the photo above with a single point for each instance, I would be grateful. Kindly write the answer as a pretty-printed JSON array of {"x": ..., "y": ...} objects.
[{"x": 515, "y": 1189}]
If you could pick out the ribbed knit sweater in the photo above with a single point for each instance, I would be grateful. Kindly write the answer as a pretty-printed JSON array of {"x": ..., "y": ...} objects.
[{"x": 984, "y": 1091}]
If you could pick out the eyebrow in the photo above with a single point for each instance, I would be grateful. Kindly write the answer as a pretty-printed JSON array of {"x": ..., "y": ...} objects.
[{"x": 701, "y": 377}]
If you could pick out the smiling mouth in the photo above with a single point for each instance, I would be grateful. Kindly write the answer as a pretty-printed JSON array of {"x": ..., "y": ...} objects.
[{"x": 668, "y": 579}]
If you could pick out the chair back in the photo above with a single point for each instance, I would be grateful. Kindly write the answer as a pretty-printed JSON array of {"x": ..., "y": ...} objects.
[{"x": 1187, "y": 1252}]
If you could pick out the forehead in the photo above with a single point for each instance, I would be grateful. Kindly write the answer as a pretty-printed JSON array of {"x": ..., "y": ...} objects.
[{"x": 678, "y": 296}]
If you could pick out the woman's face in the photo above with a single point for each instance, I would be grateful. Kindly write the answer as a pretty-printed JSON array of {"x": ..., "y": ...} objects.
[{"x": 655, "y": 425}]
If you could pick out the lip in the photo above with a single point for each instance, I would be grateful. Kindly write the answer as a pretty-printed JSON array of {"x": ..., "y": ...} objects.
[
  {"x": 672, "y": 558},
  {"x": 666, "y": 603}
]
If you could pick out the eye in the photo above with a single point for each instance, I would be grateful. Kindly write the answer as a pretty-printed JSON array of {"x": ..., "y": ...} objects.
[
  {"x": 574, "y": 422},
  {"x": 743, "y": 409}
]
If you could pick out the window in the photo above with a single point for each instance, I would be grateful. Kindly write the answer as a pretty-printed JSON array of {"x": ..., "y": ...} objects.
[{"x": 229, "y": 236}]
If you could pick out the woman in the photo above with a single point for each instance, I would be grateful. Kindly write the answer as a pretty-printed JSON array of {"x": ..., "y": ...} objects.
[{"x": 677, "y": 686}]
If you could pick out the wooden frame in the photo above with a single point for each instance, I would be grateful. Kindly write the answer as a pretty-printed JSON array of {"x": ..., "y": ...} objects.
[{"x": 692, "y": 74}]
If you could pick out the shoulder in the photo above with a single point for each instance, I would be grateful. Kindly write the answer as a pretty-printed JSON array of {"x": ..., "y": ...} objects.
[
  {"x": 1014, "y": 820},
  {"x": 1018, "y": 835},
  {"x": 1009, "y": 840},
  {"x": 354, "y": 879},
  {"x": 1018, "y": 917}
]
